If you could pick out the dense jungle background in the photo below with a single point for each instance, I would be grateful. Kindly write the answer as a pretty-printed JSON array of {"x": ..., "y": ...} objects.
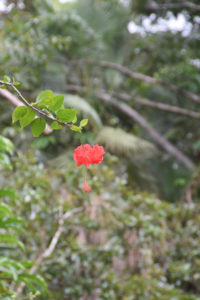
[{"x": 132, "y": 68}]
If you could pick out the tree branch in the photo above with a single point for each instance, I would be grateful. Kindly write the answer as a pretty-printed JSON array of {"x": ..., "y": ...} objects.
[
  {"x": 134, "y": 115},
  {"x": 138, "y": 76},
  {"x": 52, "y": 245},
  {"x": 150, "y": 80},
  {"x": 16, "y": 102},
  {"x": 152, "y": 6},
  {"x": 159, "y": 105},
  {"x": 26, "y": 103}
]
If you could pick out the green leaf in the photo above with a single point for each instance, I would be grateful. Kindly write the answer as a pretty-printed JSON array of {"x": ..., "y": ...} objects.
[
  {"x": 85, "y": 108},
  {"x": 18, "y": 113},
  {"x": 27, "y": 118},
  {"x": 75, "y": 119},
  {"x": 43, "y": 141},
  {"x": 75, "y": 128},
  {"x": 5, "y": 209},
  {"x": 56, "y": 103},
  {"x": 16, "y": 83},
  {"x": 6, "y": 79},
  {"x": 5, "y": 161},
  {"x": 12, "y": 223},
  {"x": 8, "y": 193},
  {"x": 27, "y": 263},
  {"x": 83, "y": 122},
  {"x": 4, "y": 291},
  {"x": 6, "y": 145},
  {"x": 67, "y": 115},
  {"x": 38, "y": 126},
  {"x": 55, "y": 125},
  {"x": 44, "y": 98},
  {"x": 10, "y": 239},
  {"x": 28, "y": 284},
  {"x": 34, "y": 279},
  {"x": 6, "y": 261},
  {"x": 13, "y": 272}
]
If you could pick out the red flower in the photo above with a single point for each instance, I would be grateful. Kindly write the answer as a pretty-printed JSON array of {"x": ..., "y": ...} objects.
[
  {"x": 86, "y": 155},
  {"x": 97, "y": 154},
  {"x": 82, "y": 155}
]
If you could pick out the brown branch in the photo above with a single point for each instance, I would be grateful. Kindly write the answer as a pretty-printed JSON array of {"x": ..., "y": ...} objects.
[
  {"x": 37, "y": 110},
  {"x": 150, "y": 80},
  {"x": 16, "y": 102},
  {"x": 159, "y": 7},
  {"x": 134, "y": 115},
  {"x": 138, "y": 76},
  {"x": 126, "y": 71},
  {"x": 159, "y": 105},
  {"x": 192, "y": 188},
  {"x": 10, "y": 97},
  {"x": 52, "y": 245}
]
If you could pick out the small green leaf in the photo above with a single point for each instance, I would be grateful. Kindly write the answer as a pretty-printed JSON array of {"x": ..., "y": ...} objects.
[
  {"x": 10, "y": 239},
  {"x": 27, "y": 118},
  {"x": 66, "y": 115},
  {"x": 34, "y": 279},
  {"x": 16, "y": 83},
  {"x": 6, "y": 145},
  {"x": 5, "y": 209},
  {"x": 6, "y": 79},
  {"x": 55, "y": 125},
  {"x": 44, "y": 98},
  {"x": 38, "y": 126},
  {"x": 43, "y": 141},
  {"x": 75, "y": 128},
  {"x": 83, "y": 122},
  {"x": 18, "y": 113},
  {"x": 8, "y": 193},
  {"x": 75, "y": 119},
  {"x": 56, "y": 103},
  {"x": 6, "y": 261},
  {"x": 27, "y": 263},
  {"x": 12, "y": 223},
  {"x": 5, "y": 161}
]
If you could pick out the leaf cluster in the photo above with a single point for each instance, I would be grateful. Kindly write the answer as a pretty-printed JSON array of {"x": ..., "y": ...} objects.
[
  {"x": 47, "y": 105},
  {"x": 120, "y": 235},
  {"x": 13, "y": 270}
]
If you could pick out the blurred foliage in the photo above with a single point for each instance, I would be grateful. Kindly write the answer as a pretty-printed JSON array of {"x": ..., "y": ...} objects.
[
  {"x": 12, "y": 270},
  {"x": 136, "y": 238},
  {"x": 125, "y": 245},
  {"x": 40, "y": 41}
]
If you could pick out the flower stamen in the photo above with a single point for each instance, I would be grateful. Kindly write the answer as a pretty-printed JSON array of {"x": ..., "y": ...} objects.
[{"x": 86, "y": 187}]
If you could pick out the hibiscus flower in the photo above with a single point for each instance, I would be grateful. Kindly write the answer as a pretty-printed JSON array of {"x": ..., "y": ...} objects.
[{"x": 86, "y": 155}]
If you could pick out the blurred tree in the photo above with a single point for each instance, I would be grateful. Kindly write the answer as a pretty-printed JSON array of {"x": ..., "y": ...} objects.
[
  {"x": 53, "y": 43},
  {"x": 133, "y": 69}
]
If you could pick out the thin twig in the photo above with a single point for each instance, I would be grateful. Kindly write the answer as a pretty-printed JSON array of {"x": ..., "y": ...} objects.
[
  {"x": 52, "y": 245},
  {"x": 57, "y": 234},
  {"x": 26, "y": 103},
  {"x": 16, "y": 102},
  {"x": 153, "y": 6},
  {"x": 158, "y": 105}
]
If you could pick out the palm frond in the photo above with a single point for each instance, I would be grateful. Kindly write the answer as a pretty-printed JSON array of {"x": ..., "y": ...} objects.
[
  {"x": 118, "y": 141},
  {"x": 84, "y": 107}
]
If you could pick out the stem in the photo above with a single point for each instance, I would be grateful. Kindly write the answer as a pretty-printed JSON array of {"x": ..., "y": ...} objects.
[
  {"x": 85, "y": 182},
  {"x": 37, "y": 110}
]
